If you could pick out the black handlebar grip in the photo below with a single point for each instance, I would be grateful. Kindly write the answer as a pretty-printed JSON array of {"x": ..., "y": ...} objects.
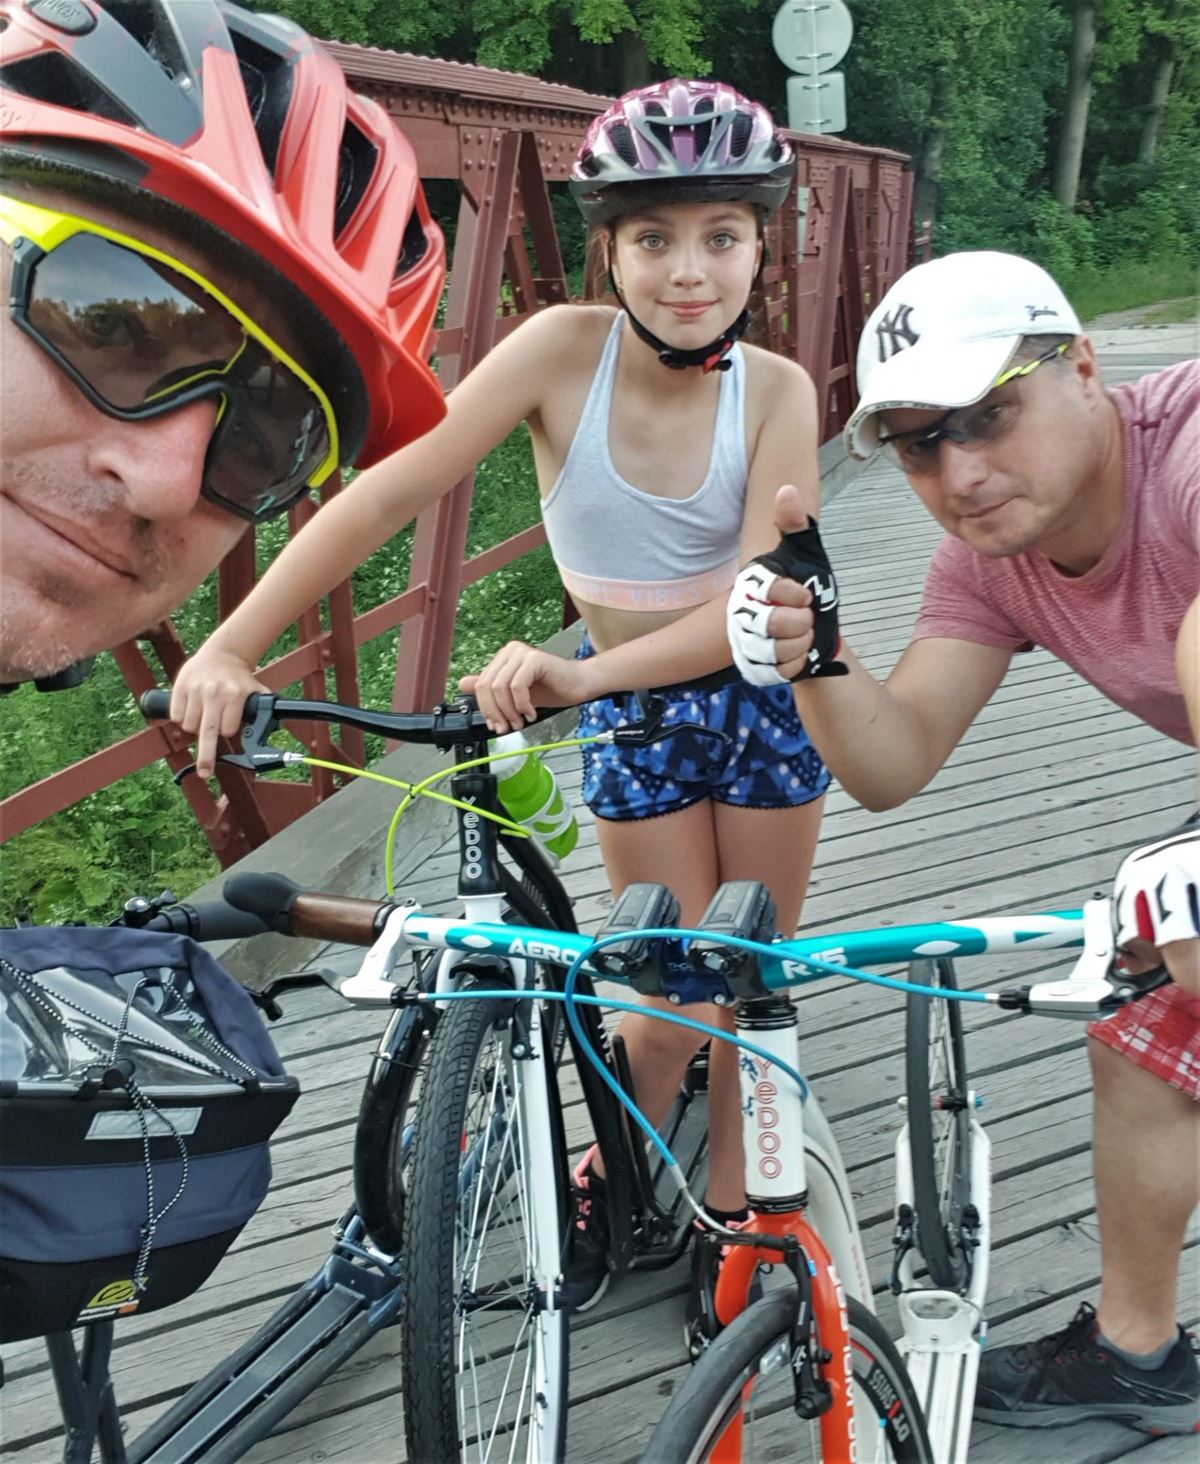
[
  {"x": 268, "y": 897},
  {"x": 155, "y": 704},
  {"x": 212, "y": 921},
  {"x": 285, "y": 907}
]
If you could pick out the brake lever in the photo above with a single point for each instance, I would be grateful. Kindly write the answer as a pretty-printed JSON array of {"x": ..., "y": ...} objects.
[
  {"x": 651, "y": 729},
  {"x": 653, "y": 709},
  {"x": 256, "y": 756},
  {"x": 264, "y": 760},
  {"x": 1096, "y": 986}
]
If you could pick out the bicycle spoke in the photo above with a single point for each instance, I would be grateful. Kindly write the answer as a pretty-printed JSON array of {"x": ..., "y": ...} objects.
[
  {"x": 485, "y": 1361},
  {"x": 499, "y": 1329}
]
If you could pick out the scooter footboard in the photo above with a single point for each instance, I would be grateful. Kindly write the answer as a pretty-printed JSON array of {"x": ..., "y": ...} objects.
[{"x": 941, "y": 1347}]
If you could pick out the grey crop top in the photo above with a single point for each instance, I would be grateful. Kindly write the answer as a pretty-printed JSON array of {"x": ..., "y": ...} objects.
[{"x": 619, "y": 546}]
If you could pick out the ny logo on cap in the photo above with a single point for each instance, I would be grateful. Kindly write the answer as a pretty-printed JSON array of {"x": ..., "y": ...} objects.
[{"x": 895, "y": 332}]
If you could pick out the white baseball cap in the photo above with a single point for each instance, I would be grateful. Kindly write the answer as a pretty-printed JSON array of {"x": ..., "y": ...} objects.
[{"x": 946, "y": 330}]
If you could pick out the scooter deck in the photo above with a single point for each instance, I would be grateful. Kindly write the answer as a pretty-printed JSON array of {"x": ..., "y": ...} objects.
[
  {"x": 246, "y": 1395},
  {"x": 941, "y": 1351}
]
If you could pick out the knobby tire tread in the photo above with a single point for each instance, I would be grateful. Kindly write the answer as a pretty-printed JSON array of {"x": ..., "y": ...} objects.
[{"x": 429, "y": 1372}]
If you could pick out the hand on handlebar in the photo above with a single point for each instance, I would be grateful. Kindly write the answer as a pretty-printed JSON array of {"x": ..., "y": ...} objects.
[
  {"x": 1156, "y": 907},
  {"x": 207, "y": 700},
  {"x": 519, "y": 678}
]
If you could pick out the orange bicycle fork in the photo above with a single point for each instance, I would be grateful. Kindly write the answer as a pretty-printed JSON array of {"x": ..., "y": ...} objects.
[{"x": 822, "y": 1361}]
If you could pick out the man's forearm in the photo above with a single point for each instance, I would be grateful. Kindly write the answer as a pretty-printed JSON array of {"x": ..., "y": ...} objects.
[{"x": 872, "y": 742}]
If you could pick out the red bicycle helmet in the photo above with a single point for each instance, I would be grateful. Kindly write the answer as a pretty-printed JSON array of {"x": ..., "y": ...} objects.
[
  {"x": 680, "y": 140},
  {"x": 246, "y": 122}
]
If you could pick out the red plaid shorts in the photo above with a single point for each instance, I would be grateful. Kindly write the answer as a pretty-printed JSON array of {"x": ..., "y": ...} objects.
[{"x": 1160, "y": 1033}]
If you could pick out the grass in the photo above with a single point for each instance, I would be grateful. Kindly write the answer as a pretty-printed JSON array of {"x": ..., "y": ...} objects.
[{"x": 1124, "y": 287}]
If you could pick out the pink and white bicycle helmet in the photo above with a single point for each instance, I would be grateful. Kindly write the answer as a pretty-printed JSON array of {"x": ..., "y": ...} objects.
[{"x": 676, "y": 141}]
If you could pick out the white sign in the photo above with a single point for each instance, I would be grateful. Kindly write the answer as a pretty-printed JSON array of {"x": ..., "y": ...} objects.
[
  {"x": 817, "y": 103},
  {"x": 811, "y": 36}
]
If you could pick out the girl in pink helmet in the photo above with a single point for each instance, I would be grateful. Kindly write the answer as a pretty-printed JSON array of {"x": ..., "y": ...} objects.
[{"x": 659, "y": 443}]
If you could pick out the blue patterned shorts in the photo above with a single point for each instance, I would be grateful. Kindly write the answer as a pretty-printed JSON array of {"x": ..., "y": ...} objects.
[{"x": 769, "y": 762}]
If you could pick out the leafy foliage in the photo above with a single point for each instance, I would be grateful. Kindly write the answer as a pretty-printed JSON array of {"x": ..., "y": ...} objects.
[{"x": 974, "y": 90}]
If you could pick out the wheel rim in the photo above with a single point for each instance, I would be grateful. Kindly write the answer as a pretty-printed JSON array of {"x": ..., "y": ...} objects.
[
  {"x": 502, "y": 1337},
  {"x": 949, "y": 1120}
]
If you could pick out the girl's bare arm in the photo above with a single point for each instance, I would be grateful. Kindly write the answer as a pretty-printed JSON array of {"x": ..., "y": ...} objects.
[{"x": 482, "y": 410}]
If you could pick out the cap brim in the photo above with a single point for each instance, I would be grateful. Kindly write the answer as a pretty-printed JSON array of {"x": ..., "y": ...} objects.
[{"x": 937, "y": 375}]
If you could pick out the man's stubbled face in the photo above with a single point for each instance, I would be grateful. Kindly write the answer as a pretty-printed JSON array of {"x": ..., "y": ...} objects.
[{"x": 103, "y": 531}]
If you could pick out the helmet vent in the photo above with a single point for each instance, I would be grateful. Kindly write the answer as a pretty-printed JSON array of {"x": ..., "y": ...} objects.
[
  {"x": 622, "y": 140},
  {"x": 146, "y": 22},
  {"x": 664, "y": 132},
  {"x": 357, "y": 161},
  {"x": 587, "y": 164},
  {"x": 739, "y": 133},
  {"x": 50, "y": 77},
  {"x": 414, "y": 248},
  {"x": 702, "y": 133},
  {"x": 267, "y": 78}
]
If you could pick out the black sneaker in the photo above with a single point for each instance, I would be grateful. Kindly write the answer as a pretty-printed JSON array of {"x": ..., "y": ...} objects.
[
  {"x": 700, "y": 1325},
  {"x": 585, "y": 1279},
  {"x": 1071, "y": 1375}
]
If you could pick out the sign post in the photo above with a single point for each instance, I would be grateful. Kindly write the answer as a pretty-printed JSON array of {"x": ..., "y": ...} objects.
[{"x": 810, "y": 38}]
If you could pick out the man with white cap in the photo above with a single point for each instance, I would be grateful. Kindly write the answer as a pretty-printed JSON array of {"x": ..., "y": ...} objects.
[{"x": 1073, "y": 523}]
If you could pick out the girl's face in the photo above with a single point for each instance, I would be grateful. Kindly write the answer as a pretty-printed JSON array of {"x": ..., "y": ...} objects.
[{"x": 685, "y": 269}]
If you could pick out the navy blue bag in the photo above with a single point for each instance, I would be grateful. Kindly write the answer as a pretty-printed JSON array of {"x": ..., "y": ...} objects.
[{"x": 138, "y": 1092}]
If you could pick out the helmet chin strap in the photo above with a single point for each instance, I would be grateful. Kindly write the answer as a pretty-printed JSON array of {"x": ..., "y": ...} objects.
[{"x": 713, "y": 357}]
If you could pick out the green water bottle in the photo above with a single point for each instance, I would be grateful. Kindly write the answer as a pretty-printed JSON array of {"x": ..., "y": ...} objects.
[{"x": 530, "y": 793}]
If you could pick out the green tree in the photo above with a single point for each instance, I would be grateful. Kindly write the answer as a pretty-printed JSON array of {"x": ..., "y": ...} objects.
[
  {"x": 630, "y": 40},
  {"x": 965, "y": 93}
]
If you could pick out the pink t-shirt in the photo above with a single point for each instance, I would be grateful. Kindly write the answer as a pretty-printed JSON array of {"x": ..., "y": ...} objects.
[{"x": 1117, "y": 624}]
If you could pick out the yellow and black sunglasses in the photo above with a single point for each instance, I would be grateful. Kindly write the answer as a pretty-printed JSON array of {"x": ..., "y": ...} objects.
[
  {"x": 918, "y": 451},
  {"x": 141, "y": 334}
]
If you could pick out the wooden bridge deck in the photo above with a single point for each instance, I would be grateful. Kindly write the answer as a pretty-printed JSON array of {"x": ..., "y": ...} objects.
[{"x": 1034, "y": 811}]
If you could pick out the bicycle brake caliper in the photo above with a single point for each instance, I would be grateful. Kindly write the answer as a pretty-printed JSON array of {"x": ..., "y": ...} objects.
[
  {"x": 814, "y": 1396},
  {"x": 902, "y": 1242}
]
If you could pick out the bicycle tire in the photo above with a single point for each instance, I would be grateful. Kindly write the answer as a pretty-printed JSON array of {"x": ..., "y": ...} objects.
[
  {"x": 715, "y": 1389},
  {"x": 939, "y": 1126},
  {"x": 467, "y": 1249},
  {"x": 383, "y": 1135}
]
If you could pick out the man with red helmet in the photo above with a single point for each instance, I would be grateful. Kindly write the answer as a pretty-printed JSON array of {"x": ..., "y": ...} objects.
[{"x": 222, "y": 276}]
